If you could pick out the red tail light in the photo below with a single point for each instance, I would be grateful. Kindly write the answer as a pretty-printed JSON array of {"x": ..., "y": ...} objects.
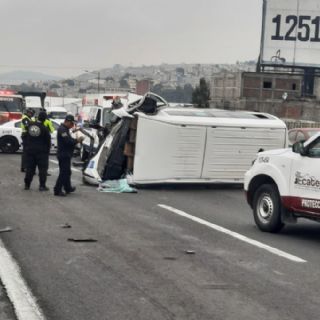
[
  {"x": 9, "y": 116},
  {"x": 7, "y": 92},
  {"x": 15, "y": 115}
]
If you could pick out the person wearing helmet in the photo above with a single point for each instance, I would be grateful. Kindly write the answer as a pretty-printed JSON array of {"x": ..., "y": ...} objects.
[
  {"x": 25, "y": 120},
  {"x": 38, "y": 143}
]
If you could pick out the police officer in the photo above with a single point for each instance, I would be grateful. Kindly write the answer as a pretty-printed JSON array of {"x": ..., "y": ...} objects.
[
  {"x": 66, "y": 146},
  {"x": 25, "y": 120},
  {"x": 38, "y": 143},
  {"x": 47, "y": 123}
]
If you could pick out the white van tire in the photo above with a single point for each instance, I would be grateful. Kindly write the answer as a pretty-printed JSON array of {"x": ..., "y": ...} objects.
[{"x": 267, "y": 208}]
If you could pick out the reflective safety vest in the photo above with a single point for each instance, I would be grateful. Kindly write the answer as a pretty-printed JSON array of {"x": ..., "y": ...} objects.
[
  {"x": 48, "y": 123},
  {"x": 25, "y": 121}
]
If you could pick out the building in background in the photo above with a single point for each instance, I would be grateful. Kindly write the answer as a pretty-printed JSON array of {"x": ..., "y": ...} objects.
[
  {"x": 287, "y": 78},
  {"x": 143, "y": 86}
]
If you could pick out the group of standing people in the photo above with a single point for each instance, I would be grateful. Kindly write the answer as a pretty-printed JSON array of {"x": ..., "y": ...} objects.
[{"x": 36, "y": 140}]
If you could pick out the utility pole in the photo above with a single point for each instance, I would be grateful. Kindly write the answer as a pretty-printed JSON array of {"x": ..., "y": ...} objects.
[{"x": 98, "y": 82}]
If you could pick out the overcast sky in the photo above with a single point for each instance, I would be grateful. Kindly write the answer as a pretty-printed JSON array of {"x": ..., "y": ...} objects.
[{"x": 64, "y": 37}]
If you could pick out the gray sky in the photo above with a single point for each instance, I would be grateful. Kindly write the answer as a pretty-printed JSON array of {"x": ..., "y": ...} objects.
[{"x": 64, "y": 37}]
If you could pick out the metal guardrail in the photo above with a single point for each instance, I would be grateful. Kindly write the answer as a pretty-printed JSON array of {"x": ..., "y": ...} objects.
[{"x": 301, "y": 124}]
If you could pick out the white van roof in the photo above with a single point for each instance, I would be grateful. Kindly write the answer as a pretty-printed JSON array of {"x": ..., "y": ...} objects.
[{"x": 216, "y": 117}]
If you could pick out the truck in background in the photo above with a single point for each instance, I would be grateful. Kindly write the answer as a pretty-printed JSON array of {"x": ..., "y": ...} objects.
[
  {"x": 12, "y": 105},
  {"x": 57, "y": 113}
]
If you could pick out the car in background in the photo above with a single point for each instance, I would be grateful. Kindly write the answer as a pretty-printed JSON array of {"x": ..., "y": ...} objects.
[
  {"x": 10, "y": 136},
  {"x": 301, "y": 134},
  {"x": 57, "y": 113}
]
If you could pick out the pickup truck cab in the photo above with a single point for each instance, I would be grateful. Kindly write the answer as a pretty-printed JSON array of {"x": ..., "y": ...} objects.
[{"x": 283, "y": 185}]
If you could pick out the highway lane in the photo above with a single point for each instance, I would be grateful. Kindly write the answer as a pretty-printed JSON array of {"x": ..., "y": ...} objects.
[{"x": 140, "y": 268}]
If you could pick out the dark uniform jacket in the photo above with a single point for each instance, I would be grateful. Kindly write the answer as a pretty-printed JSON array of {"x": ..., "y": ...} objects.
[
  {"x": 25, "y": 121},
  {"x": 66, "y": 143},
  {"x": 38, "y": 138}
]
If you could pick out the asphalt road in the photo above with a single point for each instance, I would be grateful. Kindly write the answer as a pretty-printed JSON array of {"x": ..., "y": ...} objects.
[{"x": 150, "y": 262}]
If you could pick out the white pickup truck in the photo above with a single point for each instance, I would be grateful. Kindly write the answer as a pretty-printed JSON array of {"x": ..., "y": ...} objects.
[
  {"x": 10, "y": 136},
  {"x": 283, "y": 185}
]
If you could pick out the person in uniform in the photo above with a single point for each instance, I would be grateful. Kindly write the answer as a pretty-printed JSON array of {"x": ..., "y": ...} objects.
[
  {"x": 25, "y": 120},
  {"x": 48, "y": 124},
  {"x": 38, "y": 143},
  {"x": 66, "y": 145}
]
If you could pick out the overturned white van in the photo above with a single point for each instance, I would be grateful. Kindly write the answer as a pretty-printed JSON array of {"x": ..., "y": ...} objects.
[{"x": 182, "y": 145}]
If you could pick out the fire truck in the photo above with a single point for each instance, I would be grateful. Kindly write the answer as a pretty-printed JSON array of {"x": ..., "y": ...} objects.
[{"x": 13, "y": 103}]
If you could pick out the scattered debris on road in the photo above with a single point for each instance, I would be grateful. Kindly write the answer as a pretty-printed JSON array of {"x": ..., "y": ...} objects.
[
  {"x": 169, "y": 258},
  {"x": 6, "y": 229},
  {"x": 66, "y": 226},
  {"x": 82, "y": 240},
  {"x": 116, "y": 186}
]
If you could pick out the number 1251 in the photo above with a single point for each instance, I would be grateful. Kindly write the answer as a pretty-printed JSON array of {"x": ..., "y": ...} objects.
[{"x": 302, "y": 23}]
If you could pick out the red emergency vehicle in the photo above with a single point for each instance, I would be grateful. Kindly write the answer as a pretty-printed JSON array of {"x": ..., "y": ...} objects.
[{"x": 11, "y": 105}]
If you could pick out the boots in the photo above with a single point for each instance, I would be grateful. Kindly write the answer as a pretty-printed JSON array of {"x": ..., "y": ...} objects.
[{"x": 43, "y": 188}]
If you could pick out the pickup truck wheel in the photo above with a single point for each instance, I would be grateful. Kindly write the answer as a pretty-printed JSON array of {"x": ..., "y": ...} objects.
[
  {"x": 267, "y": 208},
  {"x": 9, "y": 144}
]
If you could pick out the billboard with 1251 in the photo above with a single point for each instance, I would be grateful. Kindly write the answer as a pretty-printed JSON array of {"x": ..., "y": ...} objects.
[{"x": 291, "y": 33}]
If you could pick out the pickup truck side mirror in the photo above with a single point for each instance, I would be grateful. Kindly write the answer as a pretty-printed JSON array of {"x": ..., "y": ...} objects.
[{"x": 298, "y": 147}]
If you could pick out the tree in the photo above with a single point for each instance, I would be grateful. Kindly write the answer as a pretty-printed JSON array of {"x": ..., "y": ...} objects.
[
  {"x": 201, "y": 94},
  {"x": 54, "y": 86},
  {"x": 69, "y": 82},
  {"x": 124, "y": 84}
]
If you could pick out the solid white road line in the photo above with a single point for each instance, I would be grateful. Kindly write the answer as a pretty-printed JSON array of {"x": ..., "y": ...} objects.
[
  {"x": 233, "y": 234},
  {"x": 23, "y": 301},
  {"x": 72, "y": 168}
]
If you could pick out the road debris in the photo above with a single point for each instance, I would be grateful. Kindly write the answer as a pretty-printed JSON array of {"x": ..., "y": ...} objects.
[
  {"x": 169, "y": 258},
  {"x": 82, "y": 240},
  {"x": 6, "y": 229},
  {"x": 66, "y": 226},
  {"x": 116, "y": 186}
]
